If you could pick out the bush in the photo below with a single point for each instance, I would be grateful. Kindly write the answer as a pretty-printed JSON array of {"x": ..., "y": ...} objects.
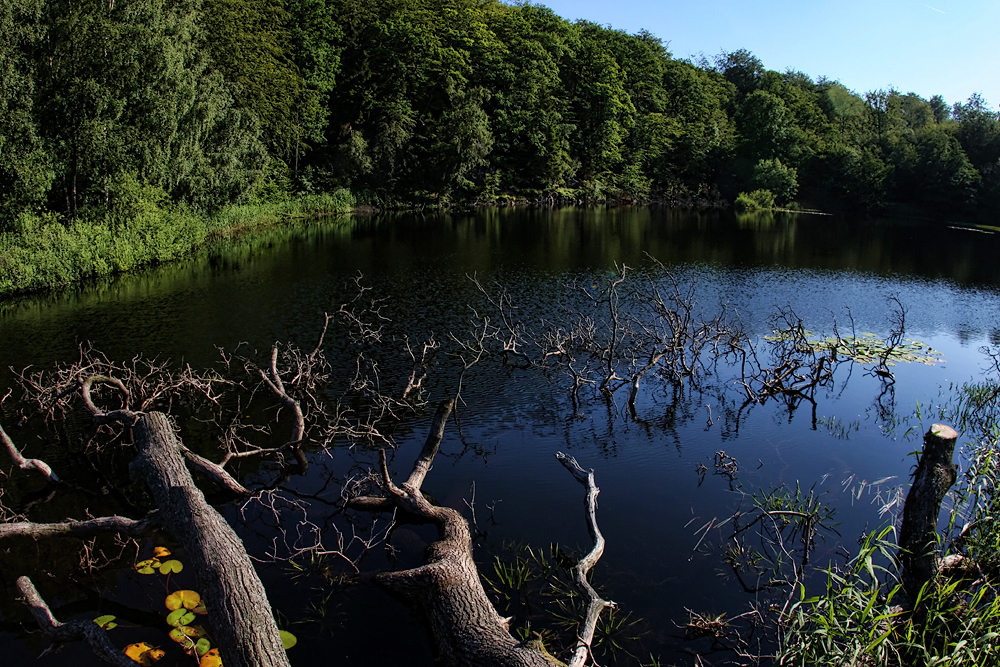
[{"x": 758, "y": 200}]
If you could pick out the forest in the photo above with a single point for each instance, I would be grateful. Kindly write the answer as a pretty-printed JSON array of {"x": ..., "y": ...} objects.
[{"x": 112, "y": 109}]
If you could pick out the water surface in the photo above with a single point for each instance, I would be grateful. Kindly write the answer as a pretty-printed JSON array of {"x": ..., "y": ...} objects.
[{"x": 276, "y": 287}]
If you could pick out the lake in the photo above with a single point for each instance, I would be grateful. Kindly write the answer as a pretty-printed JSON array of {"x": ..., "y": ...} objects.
[{"x": 657, "y": 564}]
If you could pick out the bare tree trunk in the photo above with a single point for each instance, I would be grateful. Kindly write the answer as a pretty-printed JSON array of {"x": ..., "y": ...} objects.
[
  {"x": 918, "y": 534},
  {"x": 242, "y": 623}
]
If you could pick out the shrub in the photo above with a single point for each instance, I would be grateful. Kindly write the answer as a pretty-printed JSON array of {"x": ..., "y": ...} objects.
[{"x": 758, "y": 200}]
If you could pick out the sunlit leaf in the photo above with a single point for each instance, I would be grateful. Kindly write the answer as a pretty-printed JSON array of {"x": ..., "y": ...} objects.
[
  {"x": 171, "y": 566},
  {"x": 161, "y": 552},
  {"x": 106, "y": 622},
  {"x": 186, "y": 599},
  {"x": 147, "y": 566},
  {"x": 143, "y": 653},
  {"x": 180, "y": 617},
  {"x": 211, "y": 659},
  {"x": 203, "y": 646},
  {"x": 288, "y": 640}
]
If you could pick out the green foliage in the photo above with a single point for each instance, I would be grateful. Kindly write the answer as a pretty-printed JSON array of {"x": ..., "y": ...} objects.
[
  {"x": 772, "y": 175},
  {"x": 752, "y": 202}
]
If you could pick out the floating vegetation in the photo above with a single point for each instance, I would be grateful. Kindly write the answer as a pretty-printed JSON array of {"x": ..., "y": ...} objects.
[{"x": 866, "y": 348}]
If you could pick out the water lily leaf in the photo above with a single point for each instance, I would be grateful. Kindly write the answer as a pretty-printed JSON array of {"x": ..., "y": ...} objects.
[
  {"x": 211, "y": 659},
  {"x": 288, "y": 640},
  {"x": 106, "y": 622},
  {"x": 143, "y": 653},
  {"x": 171, "y": 566},
  {"x": 203, "y": 646},
  {"x": 146, "y": 566},
  {"x": 179, "y": 636},
  {"x": 180, "y": 617},
  {"x": 161, "y": 552},
  {"x": 186, "y": 599}
]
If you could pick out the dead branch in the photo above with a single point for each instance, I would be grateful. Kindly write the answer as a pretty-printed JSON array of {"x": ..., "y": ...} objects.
[
  {"x": 58, "y": 632},
  {"x": 83, "y": 529},
  {"x": 595, "y": 604},
  {"x": 27, "y": 464}
]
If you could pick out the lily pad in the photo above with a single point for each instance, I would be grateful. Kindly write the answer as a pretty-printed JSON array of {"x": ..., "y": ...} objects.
[
  {"x": 161, "y": 552},
  {"x": 288, "y": 640},
  {"x": 143, "y": 653},
  {"x": 211, "y": 659},
  {"x": 171, "y": 566},
  {"x": 180, "y": 617},
  {"x": 106, "y": 622},
  {"x": 186, "y": 599},
  {"x": 147, "y": 566}
]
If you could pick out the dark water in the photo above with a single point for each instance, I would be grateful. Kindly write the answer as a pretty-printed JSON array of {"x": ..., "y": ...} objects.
[{"x": 513, "y": 421}]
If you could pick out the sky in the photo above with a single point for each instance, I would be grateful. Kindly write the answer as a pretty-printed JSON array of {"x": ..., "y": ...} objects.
[{"x": 941, "y": 47}]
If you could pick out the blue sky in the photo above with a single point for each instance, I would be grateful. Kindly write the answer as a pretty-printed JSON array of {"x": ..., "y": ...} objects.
[{"x": 941, "y": 47}]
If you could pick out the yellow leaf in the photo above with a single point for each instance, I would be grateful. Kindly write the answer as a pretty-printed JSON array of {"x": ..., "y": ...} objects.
[
  {"x": 160, "y": 552},
  {"x": 146, "y": 566},
  {"x": 143, "y": 653},
  {"x": 186, "y": 599},
  {"x": 211, "y": 659}
]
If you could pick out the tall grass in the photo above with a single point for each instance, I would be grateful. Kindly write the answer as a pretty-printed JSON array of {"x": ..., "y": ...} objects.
[
  {"x": 863, "y": 618},
  {"x": 42, "y": 251}
]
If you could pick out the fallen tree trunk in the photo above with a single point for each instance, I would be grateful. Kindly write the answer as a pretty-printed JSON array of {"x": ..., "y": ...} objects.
[
  {"x": 242, "y": 624},
  {"x": 447, "y": 590}
]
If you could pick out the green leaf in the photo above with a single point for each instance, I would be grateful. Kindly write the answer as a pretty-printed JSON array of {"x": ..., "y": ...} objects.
[
  {"x": 202, "y": 646},
  {"x": 288, "y": 640},
  {"x": 180, "y": 617},
  {"x": 171, "y": 566},
  {"x": 106, "y": 622}
]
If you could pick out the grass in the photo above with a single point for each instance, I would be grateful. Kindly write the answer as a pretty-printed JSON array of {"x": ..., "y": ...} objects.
[
  {"x": 45, "y": 251},
  {"x": 862, "y": 618}
]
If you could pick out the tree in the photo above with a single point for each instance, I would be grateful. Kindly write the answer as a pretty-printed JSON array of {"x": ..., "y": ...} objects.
[
  {"x": 774, "y": 176},
  {"x": 742, "y": 69},
  {"x": 25, "y": 173},
  {"x": 765, "y": 126}
]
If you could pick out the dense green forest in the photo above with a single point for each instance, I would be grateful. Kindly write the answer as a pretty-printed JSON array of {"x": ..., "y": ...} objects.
[{"x": 168, "y": 111}]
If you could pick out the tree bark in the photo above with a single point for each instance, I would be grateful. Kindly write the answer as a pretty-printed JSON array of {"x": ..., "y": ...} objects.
[
  {"x": 447, "y": 590},
  {"x": 918, "y": 534},
  {"x": 242, "y": 624}
]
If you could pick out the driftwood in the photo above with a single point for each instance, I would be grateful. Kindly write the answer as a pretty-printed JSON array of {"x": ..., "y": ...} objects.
[
  {"x": 447, "y": 590},
  {"x": 935, "y": 474}
]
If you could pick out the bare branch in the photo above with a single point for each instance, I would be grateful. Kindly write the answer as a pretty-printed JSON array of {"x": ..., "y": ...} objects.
[
  {"x": 27, "y": 464},
  {"x": 595, "y": 604},
  {"x": 58, "y": 632},
  {"x": 83, "y": 529}
]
